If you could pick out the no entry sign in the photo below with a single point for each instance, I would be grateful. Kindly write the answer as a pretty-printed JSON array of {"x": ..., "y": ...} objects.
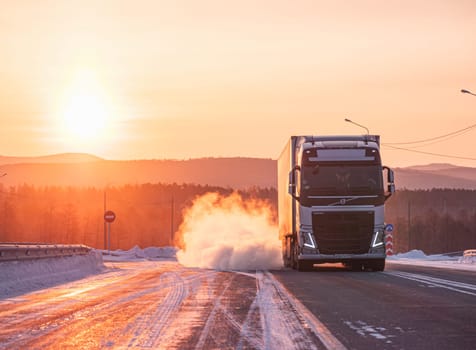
[{"x": 109, "y": 216}]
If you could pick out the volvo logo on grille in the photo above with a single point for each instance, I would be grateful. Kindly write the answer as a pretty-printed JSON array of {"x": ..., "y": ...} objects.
[{"x": 343, "y": 201}]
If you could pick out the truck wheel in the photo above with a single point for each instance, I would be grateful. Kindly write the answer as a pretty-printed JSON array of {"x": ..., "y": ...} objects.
[
  {"x": 377, "y": 265},
  {"x": 294, "y": 263},
  {"x": 294, "y": 256},
  {"x": 356, "y": 266},
  {"x": 304, "y": 266}
]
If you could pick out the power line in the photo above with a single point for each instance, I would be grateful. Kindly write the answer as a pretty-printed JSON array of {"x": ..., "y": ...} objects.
[
  {"x": 441, "y": 140},
  {"x": 429, "y": 153},
  {"x": 454, "y": 133}
]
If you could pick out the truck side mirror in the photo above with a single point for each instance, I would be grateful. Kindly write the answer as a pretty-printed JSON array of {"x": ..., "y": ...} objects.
[
  {"x": 390, "y": 176},
  {"x": 391, "y": 188},
  {"x": 390, "y": 181},
  {"x": 292, "y": 182}
]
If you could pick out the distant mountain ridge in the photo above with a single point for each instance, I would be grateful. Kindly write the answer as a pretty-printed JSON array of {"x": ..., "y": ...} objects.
[
  {"x": 436, "y": 176},
  {"x": 54, "y": 158},
  {"x": 237, "y": 173},
  {"x": 85, "y": 170}
]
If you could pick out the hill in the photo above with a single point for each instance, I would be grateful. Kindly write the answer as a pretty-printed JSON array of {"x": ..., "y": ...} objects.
[
  {"x": 90, "y": 171},
  {"x": 55, "y": 158},
  {"x": 238, "y": 173},
  {"x": 436, "y": 176}
]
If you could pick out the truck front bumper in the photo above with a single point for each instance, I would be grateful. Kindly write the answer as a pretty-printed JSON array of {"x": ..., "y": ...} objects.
[{"x": 333, "y": 258}]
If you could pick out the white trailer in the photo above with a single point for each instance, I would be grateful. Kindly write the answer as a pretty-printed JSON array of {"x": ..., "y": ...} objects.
[{"x": 331, "y": 195}]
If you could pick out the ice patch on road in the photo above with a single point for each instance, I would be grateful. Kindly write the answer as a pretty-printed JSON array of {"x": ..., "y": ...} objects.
[{"x": 229, "y": 233}]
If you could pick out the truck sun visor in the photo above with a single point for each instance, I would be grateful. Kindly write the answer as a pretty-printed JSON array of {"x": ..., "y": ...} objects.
[{"x": 323, "y": 155}]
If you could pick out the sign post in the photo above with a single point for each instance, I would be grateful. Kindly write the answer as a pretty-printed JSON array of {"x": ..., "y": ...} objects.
[{"x": 109, "y": 217}]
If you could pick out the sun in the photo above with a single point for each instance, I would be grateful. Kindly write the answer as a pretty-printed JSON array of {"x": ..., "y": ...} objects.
[
  {"x": 85, "y": 115},
  {"x": 85, "y": 112}
]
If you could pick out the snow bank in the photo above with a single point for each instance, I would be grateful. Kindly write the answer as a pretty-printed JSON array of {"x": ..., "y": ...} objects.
[
  {"x": 417, "y": 257},
  {"x": 413, "y": 254},
  {"x": 136, "y": 253},
  {"x": 19, "y": 277},
  {"x": 471, "y": 259}
]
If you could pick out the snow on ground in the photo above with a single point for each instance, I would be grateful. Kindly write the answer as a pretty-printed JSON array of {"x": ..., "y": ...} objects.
[
  {"x": 136, "y": 253},
  {"x": 23, "y": 276},
  {"x": 19, "y": 277},
  {"x": 417, "y": 257}
]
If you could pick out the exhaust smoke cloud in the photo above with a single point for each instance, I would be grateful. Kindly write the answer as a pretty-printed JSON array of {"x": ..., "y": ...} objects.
[{"x": 228, "y": 233}]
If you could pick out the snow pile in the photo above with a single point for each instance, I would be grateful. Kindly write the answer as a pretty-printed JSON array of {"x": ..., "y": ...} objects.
[
  {"x": 228, "y": 233},
  {"x": 135, "y": 253},
  {"x": 19, "y": 277},
  {"x": 417, "y": 257},
  {"x": 412, "y": 254},
  {"x": 468, "y": 258}
]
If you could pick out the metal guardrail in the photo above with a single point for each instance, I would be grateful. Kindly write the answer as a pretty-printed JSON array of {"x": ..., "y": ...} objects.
[{"x": 28, "y": 251}]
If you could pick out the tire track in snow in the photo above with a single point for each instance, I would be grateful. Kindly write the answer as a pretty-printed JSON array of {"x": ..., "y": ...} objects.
[{"x": 152, "y": 325}]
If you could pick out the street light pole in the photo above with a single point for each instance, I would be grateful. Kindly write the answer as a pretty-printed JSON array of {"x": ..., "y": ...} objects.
[
  {"x": 352, "y": 122},
  {"x": 464, "y": 91}
]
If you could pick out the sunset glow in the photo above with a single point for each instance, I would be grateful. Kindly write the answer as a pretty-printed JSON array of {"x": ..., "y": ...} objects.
[{"x": 134, "y": 80}]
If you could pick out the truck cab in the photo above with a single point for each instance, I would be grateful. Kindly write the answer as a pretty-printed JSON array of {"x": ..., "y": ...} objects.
[{"x": 332, "y": 209}]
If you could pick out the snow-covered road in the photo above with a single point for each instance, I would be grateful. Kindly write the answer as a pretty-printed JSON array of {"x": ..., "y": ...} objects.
[
  {"x": 161, "y": 304},
  {"x": 146, "y": 299}
]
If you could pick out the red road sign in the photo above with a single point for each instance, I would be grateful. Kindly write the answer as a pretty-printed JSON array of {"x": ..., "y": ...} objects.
[{"x": 109, "y": 216}]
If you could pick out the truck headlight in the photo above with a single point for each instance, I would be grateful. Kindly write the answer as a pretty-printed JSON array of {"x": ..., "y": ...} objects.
[
  {"x": 308, "y": 240},
  {"x": 378, "y": 239}
]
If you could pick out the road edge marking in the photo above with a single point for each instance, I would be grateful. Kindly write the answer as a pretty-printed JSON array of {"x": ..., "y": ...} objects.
[{"x": 317, "y": 327}]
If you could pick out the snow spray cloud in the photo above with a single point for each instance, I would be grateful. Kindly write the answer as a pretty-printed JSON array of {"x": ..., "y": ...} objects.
[{"x": 228, "y": 233}]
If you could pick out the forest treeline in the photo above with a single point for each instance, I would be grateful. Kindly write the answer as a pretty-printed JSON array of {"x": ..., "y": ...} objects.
[
  {"x": 434, "y": 221},
  {"x": 146, "y": 214}
]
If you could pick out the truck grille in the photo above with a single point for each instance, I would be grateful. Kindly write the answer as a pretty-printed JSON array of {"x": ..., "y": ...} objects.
[{"x": 343, "y": 232}]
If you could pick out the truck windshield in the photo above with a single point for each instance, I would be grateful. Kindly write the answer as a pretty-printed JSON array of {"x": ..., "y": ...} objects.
[{"x": 320, "y": 180}]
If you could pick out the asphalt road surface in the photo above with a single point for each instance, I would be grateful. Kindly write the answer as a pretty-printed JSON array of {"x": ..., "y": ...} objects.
[{"x": 405, "y": 307}]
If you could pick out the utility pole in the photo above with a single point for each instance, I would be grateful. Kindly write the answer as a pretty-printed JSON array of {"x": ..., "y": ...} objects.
[
  {"x": 409, "y": 220},
  {"x": 172, "y": 208},
  {"x": 105, "y": 225}
]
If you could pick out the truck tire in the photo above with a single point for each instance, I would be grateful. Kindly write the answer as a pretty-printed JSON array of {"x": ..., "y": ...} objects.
[
  {"x": 304, "y": 266},
  {"x": 287, "y": 260},
  {"x": 357, "y": 266},
  {"x": 294, "y": 255},
  {"x": 377, "y": 265},
  {"x": 294, "y": 262}
]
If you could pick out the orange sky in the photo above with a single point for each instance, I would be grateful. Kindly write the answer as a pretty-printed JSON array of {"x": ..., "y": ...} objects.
[{"x": 186, "y": 79}]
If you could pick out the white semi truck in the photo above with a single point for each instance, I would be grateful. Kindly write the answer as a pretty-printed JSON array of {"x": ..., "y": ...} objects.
[{"x": 331, "y": 195}]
